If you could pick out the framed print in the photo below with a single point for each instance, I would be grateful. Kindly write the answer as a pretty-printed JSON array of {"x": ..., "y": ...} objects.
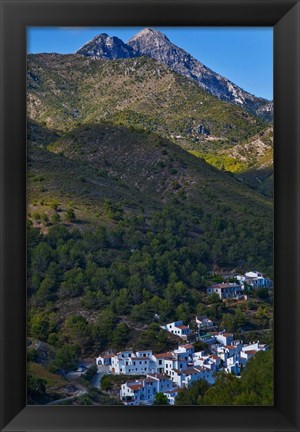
[{"x": 146, "y": 264}]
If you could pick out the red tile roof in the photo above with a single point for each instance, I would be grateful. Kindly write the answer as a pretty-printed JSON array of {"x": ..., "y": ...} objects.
[
  {"x": 177, "y": 371},
  {"x": 225, "y": 285},
  {"x": 149, "y": 380},
  {"x": 182, "y": 327},
  {"x": 135, "y": 387},
  {"x": 190, "y": 371},
  {"x": 163, "y": 355},
  {"x": 157, "y": 375},
  {"x": 215, "y": 357}
]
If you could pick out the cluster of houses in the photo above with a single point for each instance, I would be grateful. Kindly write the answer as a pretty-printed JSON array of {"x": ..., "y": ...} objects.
[
  {"x": 170, "y": 372},
  {"x": 236, "y": 290}
]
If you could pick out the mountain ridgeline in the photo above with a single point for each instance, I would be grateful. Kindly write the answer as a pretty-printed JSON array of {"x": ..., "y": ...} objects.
[{"x": 156, "y": 45}]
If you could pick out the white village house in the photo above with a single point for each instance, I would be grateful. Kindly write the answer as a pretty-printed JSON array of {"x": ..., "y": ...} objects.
[
  {"x": 178, "y": 329},
  {"x": 226, "y": 290},
  {"x": 255, "y": 279},
  {"x": 204, "y": 323},
  {"x": 133, "y": 363},
  {"x": 143, "y": 391},
  {"x": 104, "y": 359}
]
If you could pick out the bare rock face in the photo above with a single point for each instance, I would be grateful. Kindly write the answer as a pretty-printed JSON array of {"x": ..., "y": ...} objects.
[
  {"x": 106, "y": 47},
  {"x": 156, "y": 45}
]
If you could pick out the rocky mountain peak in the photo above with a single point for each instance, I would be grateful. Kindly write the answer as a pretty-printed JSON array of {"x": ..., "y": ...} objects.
[
  {"x": 105, "y": 47},
  {"x": 155, "y": 44},
  {"x": 149, "y": 34}
]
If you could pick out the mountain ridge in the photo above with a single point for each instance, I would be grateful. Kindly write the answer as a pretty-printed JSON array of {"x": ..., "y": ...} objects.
[{"x": 158, "y": 46}]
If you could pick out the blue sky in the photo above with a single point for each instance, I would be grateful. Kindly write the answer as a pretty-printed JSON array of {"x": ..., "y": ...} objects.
[{"x": 244, "y": 55}]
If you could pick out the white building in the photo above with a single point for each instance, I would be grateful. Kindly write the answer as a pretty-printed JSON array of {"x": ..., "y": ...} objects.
[
  {"x": 224, "y": 338},
  {"x": 204, "y": 323},
  {"x": 178, "y": 329},
  {"x": 172, "y": 394},
  {"x": 104, "y": 359},
  {"x": 130, "y": 363},
  {"x": 255, "y": 279},
  {"x": 226, "y": 290},
  {"x": 185, "y": 377},
  {"x": 142, "y": 392}
]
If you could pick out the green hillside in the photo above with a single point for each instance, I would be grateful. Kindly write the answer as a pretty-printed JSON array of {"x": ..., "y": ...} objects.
[
  {"x": 124, "y": 225},
  {"x": 108, "y": 173},
  {"x": 65, "y": 91},
  {"x": 251, "y": 161}
]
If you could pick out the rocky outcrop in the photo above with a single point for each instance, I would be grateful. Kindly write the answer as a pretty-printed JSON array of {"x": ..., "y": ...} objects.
[{"x": 106, "y": 47}]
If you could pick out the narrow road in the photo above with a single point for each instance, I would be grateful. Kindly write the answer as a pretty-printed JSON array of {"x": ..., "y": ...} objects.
[
  {"x": 80, "y": 392},
  {"x": 102, "y": 370}
]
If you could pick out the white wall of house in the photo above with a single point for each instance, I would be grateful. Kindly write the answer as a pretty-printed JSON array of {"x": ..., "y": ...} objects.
[
  {"x": 175, "y": 328},
  {"x": 224, "y": 338},
  {"x": 250, "y": 347}
]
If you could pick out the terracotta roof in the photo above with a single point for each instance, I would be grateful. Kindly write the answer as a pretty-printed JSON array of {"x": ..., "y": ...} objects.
[
  {"x": 225, "y": 285},
  {"x": 182, "y": 327},
  {"x": 177, "y": 371},
  {"x": 250, "y": 352},
  {"x": 157, "y": 375},
  {"x": 135, "y": 387},
  {"x": 148, "y": 380},
  {"x": 187, "y": 346},
  {"x": 215, "y": 357},
  {"x": 227, "y": 334},
  {"x": 191, "y": 371},
  {"x": 230, "y": 346},
  {"x": 163, "y": 355}
]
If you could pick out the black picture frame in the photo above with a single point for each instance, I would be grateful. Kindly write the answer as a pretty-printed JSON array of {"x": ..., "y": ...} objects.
[{"x": 284, "y": 16}]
